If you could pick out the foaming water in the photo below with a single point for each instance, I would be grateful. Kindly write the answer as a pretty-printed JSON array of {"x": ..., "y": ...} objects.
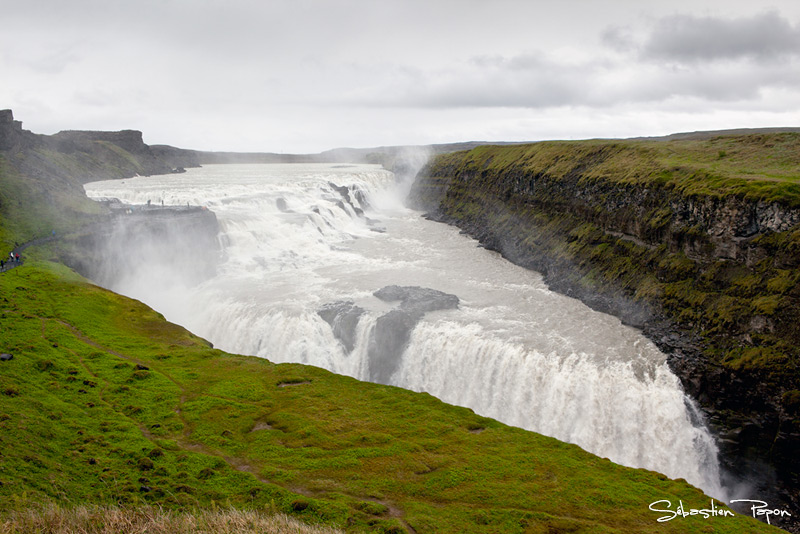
[
  {"x": 299, "y": 237},
  {"x": 603, "y": 406}
]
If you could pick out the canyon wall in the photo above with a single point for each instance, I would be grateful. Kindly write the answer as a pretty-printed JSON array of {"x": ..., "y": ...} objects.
[{"x": 686, "y": 240}]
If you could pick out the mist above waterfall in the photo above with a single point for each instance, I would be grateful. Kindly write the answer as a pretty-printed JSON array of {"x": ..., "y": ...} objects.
[{"x": 322, "y": 265}]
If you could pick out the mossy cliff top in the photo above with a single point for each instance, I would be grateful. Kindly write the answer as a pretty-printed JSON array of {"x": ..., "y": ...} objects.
[
  {"x": 762, "y": 167},
  {"x": 695, "y": 241}
]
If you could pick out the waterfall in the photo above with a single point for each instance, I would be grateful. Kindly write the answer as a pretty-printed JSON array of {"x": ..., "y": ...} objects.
[{"x": 322, "y": 265}]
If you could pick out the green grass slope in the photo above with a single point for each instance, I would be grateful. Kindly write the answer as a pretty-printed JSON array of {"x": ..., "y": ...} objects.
[
  {"x": 105, "y": 402},
  {"x": 33, "y": 205},
  {"x": 97, "y": 519}
]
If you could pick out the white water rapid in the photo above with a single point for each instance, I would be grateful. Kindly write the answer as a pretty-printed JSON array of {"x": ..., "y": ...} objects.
[{"x": 294, "y": 241}]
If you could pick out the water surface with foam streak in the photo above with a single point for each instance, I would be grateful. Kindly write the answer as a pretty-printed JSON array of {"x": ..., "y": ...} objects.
[{"x": 294, "y": 241}]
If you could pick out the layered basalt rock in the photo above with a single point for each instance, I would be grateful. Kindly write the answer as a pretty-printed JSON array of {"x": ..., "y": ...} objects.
[{"x": 709, "y": 278}]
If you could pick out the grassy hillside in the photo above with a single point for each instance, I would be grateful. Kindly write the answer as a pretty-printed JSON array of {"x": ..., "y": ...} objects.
[
  {"x": 52, "y": 519},
  {"x": 105, "y": 402},
  {"x": 36, "y": 205}
]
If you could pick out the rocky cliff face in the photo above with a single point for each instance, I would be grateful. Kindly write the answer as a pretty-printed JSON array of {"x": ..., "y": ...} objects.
[
  {"x": 47, "y": 173},
  {"x": 71, "y": 140},
  {"x": 172, "y": 241},
  {"x": 711, "y": 278},
  {"x": 11, "y": 133},
  {"x": 88, "y": 155}
]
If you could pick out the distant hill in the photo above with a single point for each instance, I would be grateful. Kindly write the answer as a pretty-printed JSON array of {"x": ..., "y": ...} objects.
[{"x": 710, "y": 134}]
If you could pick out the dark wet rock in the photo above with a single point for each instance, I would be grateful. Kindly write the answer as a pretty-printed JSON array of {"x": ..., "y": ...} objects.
[
  {"x": 345, "y": 193},
  {"x": 391, "y": 335},
  {"x": 342, "y": 190},
  {"x": 393, "y": 329},
  {"x": 343, "y": 316},
  {"x": 418, "y": 299},
  {"x": 361, "y": 198}
]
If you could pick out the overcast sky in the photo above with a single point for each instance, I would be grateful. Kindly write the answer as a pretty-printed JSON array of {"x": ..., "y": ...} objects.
[{"x": 309, "y": 75}]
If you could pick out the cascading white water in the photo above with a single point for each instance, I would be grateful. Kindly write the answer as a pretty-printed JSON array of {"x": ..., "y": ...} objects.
[{"x": 295, "y": 240}]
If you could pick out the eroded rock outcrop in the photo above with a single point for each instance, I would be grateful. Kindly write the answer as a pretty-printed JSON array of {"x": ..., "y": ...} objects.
[
  {"x": 87, "y": 156},
  {"x": 343, "y": 316},
  {"x": 392, "y": 330},
  {"x": 12, "y": 136}
]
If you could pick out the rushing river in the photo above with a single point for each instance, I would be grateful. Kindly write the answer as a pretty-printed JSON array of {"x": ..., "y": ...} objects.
[{"x": 296, "y": 242}]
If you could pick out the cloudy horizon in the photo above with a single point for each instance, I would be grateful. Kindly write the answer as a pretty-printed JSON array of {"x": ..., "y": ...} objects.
[{"x": 310, "y": 75}]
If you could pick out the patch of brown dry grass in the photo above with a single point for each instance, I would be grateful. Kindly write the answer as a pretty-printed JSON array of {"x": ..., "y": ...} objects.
[{"x": 52, "y": 519}]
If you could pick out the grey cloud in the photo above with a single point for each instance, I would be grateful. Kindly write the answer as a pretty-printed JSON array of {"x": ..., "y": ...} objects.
[
  {"x": 536, "y": 81},
  {"x": 528, "y": 80},
  {"x": 287, "y": 71},
  {"x": 618, "y": 38},
  {"x": 688, "y": 38},
  {"x": 53, "y": 61}
]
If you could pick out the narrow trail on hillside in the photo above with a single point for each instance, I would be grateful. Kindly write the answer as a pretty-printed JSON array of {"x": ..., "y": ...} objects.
[{"x": 18, "y": 249}]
